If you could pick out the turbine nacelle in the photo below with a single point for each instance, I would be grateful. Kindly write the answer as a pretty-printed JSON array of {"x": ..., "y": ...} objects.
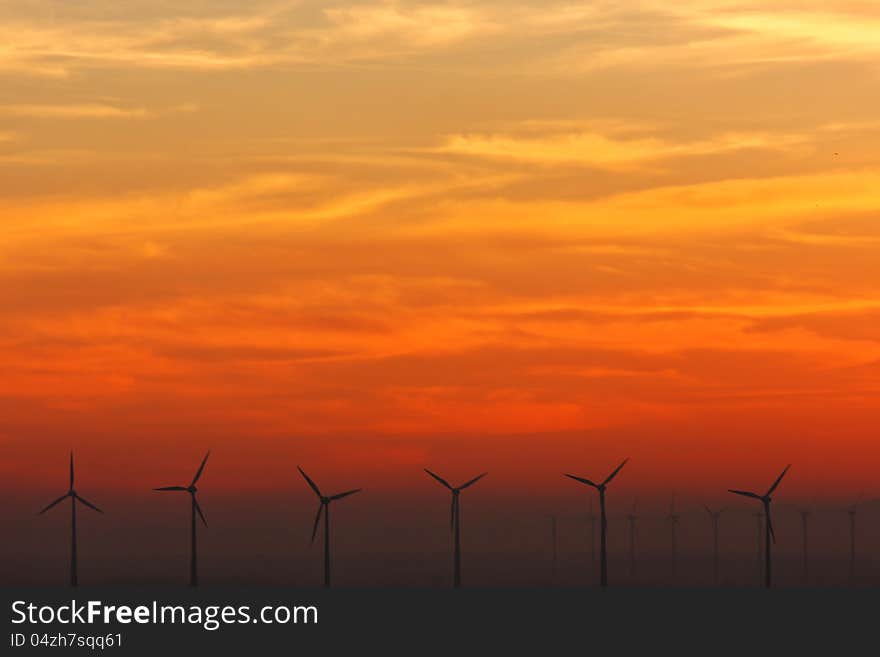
[
  {"x": 601, "y": 487},
  {"x": 323, "y": 500}
]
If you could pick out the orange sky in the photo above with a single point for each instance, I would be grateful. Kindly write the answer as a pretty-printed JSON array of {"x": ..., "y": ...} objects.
[{"x": 522, "y": 236}]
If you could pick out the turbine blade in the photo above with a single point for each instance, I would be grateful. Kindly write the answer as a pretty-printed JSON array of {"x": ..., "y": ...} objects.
[
  {"x": 199, "y": 511},
  {"x": 778, "y": 479},
  {"x": 472, "y": 481},
  {"x": 313, "y": 485},
  {"x": 58, "y": 501},
  {"x": 439, "y": 478},
  {"x": 317, "y": 521},
  {"x": 770, "y": 526},
  {"x": 745, "y": 493},
  {"x": 583, "y": 481},
  {"x": 71, "y": 471},
  {"x": 201, "y": 468},
  {"x": 172, "y": 488},
  {"x": 614, "y": 474},
  {"x": 708, "y": 510},
  {"x": 87, "y": 503},
  {"x": 339, "y": 496}
]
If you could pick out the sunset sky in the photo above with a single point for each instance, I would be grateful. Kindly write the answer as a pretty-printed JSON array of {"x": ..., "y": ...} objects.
[{"x": 522, "y": 237}]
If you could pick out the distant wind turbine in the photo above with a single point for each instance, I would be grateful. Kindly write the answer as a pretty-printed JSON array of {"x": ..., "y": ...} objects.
[
  {"x": 715, "y": 516},
  {"x": 851, "y": 512},
  {"x": 603, "y": 551},
  {"x": 769, "y": 534},
  {"x": 632, "y": 518},
  {"x": 324, "y": 509},
  {"x": 455, "y": 521},
  {"x": 555, "y": 554},
  {"x": 805, "y": 518},
  {"x": 673, "y": 519},
  {"x": 74, "y": 498},
  {"x": 196, "y": 509}
]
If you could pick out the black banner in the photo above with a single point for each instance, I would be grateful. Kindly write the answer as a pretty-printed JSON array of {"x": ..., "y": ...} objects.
[{"x": 124, "y": 621}]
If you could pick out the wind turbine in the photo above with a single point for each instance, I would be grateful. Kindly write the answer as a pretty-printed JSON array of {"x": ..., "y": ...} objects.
[
  {"x": 603, "y": 551},
  {"x": 195, "y": 509},
  {"x": 74, "y": 498},
  {"x": 632, "y": 518},
  {"x": 455, "y": 521},
  {"x": 805, "y": 517},
  {"x": 673, "y": 519},
  {"x": 324, "y": 508},
  {"x": 851, "y": 511},
  {"x": 769, "y": 534},
  {"x": 716, "y": 518}
]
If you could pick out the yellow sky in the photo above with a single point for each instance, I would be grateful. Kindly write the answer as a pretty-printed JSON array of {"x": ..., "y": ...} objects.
[{"x": 445, "y": 217}]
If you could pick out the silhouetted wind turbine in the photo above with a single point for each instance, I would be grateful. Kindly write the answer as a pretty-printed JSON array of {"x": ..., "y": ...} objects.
[
  {"x": 805, "y": 517},
  {"x": 716, "y": 517},
  {"x": 851, "y": 511},
  {"x": 673, "y": 519},
  {"x": 632, "y": 517},
  {"x": 324, "y": 508},
  {"x": 769, "y": 534},
  {"x": 74, "y": 498},
  {"x": 603, "y": 551},
  {"x": 455, "y": 521},
  {"x": 195, "y": 509}
]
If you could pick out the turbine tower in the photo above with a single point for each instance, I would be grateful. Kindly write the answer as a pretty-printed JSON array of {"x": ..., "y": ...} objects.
[
  {"x": 673, "y": 519},
  {"x": 455, "y": 521},
  {"x": 632, "y": 518},
  {"x": 74, "y": 498},
  {"x": 195, "y": 509},
  {"x": 324, "y": 509},
  {"x": 851, "y": 512},
  {"x": 601, "y": 487},
  {"x": 715, "y": 516},
  {"x": 805, "y": 517},
  {"x": 769, "y": 534}
]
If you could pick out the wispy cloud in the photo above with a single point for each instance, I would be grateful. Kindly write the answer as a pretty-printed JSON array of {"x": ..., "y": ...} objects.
[
  {"x": 88, "y": 111},
  {"x": 604, "y": 151}
]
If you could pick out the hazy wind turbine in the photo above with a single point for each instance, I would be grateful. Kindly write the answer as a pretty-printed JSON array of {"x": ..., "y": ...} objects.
[
  {"x": 455, "y": 521},
  {"x": 805, "y": 517},
  {"x": 673, "y": 519},
  {"x": 324, "y": 508},
  {"x": 74, "y": 498},
  {"x": 632, "y": 518},
  {"x": 554, "y": 546},
  {"x": 769, "y": 534},
  {"x": 195, "y": 509},
  {"x": 716, "y": 518},
  {"x": 603, "y": 551},
  {"x": 851, "y": 511}
]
